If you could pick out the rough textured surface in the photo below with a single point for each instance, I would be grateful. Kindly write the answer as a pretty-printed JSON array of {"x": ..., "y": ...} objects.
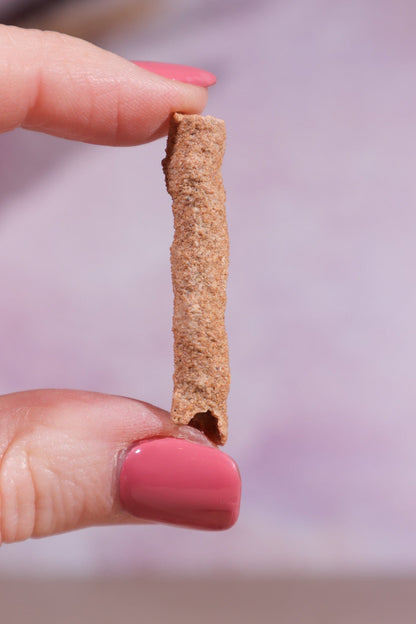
[{"x": 199, "y": 258}]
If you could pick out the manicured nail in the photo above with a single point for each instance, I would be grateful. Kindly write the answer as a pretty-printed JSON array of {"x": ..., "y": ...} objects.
[
  {"x": 183, "y": 73},
  {"x": 179, "y": 482}
]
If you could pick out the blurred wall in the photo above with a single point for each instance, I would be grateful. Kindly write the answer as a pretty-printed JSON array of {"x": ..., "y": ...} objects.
[{"x": 319, "y": 100}]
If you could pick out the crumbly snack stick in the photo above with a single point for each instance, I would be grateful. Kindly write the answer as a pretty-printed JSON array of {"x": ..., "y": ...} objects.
[{"x": 199, "y": 262}]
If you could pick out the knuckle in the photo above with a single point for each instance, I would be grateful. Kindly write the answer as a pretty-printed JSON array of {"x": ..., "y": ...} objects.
[
  {"x": 17, "y": 494},
  {"x": 19, "y": 70}
]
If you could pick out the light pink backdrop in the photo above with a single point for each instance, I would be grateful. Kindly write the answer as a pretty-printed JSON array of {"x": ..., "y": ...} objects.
[{"x": 320, "y": 104}]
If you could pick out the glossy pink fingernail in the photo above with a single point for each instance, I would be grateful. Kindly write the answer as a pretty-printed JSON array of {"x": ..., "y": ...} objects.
[
  {"x": 183, "y": 73},
  {"x": 180, "y": 482}
]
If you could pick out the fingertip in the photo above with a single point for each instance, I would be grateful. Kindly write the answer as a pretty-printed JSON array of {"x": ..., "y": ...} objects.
[{"x": 70, "y": 88}]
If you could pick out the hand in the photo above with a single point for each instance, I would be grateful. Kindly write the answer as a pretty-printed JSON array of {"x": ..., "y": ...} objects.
[{"x": 74, "y": 459}]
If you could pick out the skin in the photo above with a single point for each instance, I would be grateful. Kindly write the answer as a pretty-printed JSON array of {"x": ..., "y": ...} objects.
[{"x": 61, "y": 450}]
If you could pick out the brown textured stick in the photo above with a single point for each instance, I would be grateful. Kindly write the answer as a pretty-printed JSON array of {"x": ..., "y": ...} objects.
[{"x": 199, "y": 260}]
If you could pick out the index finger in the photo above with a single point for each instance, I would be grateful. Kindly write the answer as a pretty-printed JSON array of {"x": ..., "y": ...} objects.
[{"x": 60, "y": 85}]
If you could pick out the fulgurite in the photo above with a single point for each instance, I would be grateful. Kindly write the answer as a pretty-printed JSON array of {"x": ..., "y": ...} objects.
[{"x": 199, "y": 262}]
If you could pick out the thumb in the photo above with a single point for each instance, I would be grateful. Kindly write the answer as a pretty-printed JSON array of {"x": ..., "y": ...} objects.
[{"x": 73, "y": 459}]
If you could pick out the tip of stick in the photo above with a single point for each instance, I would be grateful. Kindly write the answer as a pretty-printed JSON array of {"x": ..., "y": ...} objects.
[{"x": 208, "y": 424}]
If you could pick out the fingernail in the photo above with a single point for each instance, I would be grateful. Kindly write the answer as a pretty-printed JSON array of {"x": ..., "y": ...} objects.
[
  {"x": 183, "y": 73},
  {"x": 179, "y": 482}
]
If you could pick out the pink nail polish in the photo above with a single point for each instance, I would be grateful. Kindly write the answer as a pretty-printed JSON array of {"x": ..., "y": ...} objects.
[
  {"x": 179, "y": 482},
  {"x": 183, "y": 73}
]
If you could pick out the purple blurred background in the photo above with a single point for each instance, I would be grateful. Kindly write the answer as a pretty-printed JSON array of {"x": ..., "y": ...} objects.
[{"x": 319, "y": 99}]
